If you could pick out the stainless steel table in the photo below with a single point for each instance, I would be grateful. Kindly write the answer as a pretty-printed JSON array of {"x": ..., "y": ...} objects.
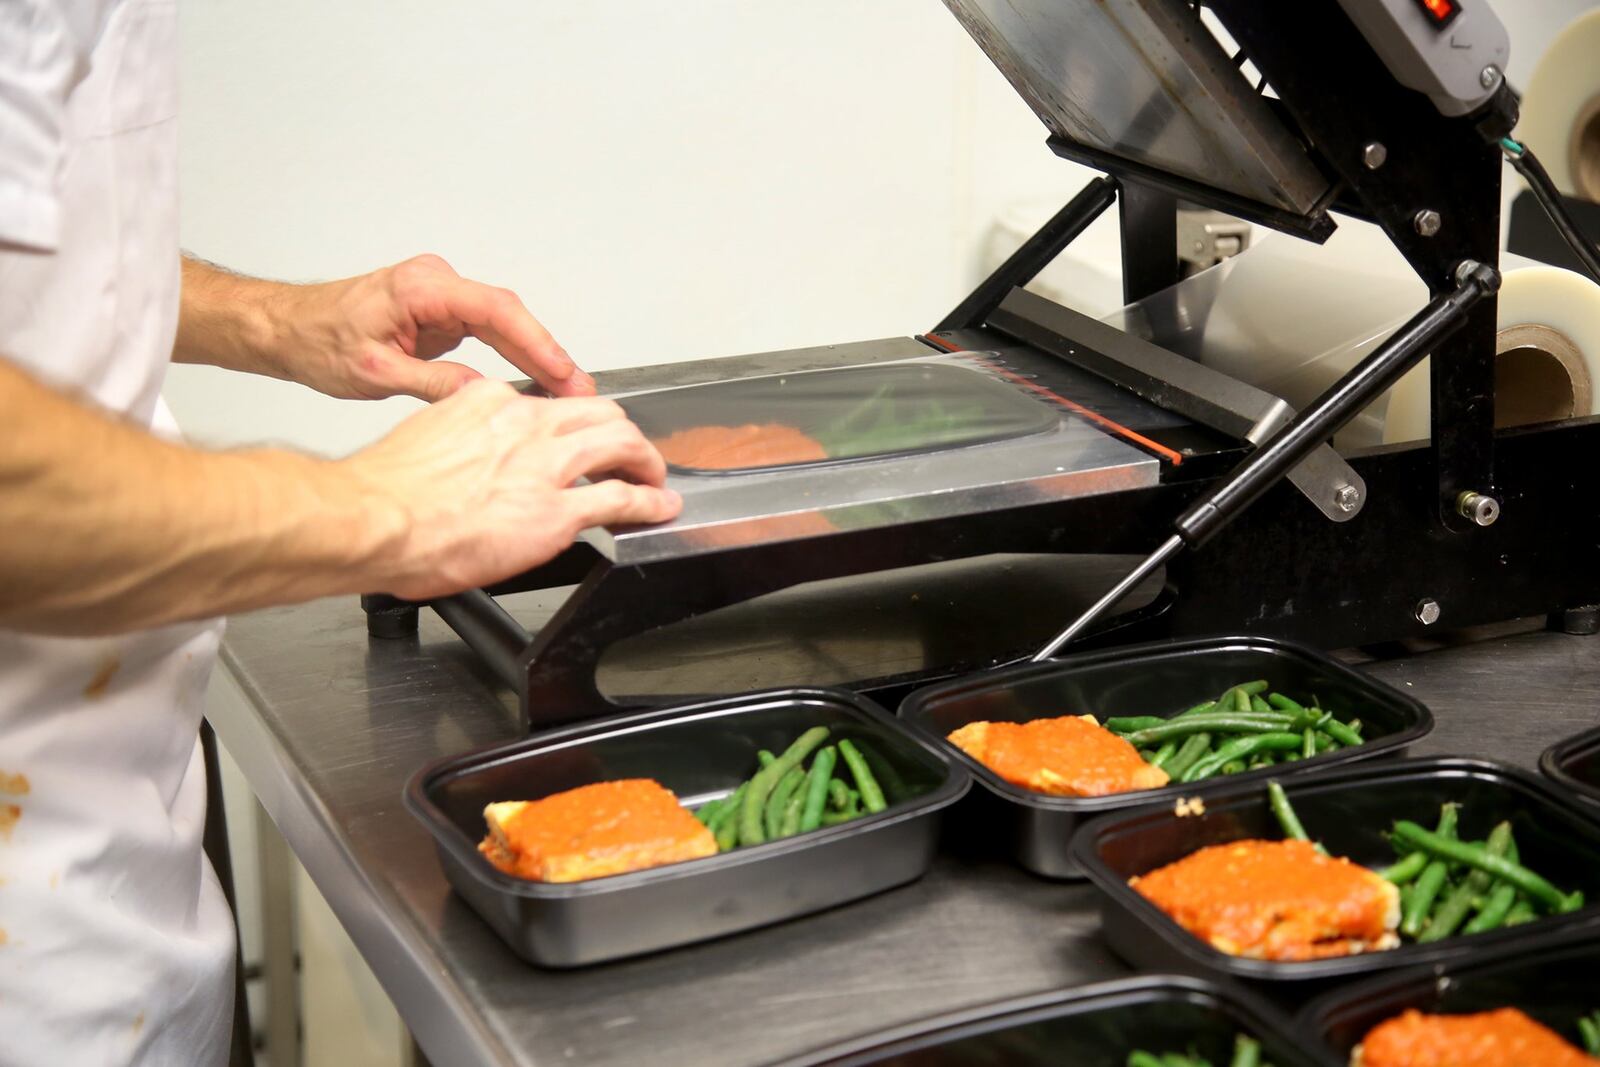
[{"x": 334, "y": 724}]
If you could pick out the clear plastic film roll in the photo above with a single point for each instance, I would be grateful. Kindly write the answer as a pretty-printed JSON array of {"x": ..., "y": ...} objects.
[
  {"x": 1290, "y": 318},
  {"x": 1560, "y": 114}
]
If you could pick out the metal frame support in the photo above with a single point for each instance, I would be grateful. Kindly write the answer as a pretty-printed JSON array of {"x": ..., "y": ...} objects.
[
  {"x": 1149, "y": 219},
  {"x": 1036, "y": 253}
]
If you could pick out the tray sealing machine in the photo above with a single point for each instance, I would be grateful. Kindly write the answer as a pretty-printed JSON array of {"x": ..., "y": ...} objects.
[{"x": 1386, "y": 110}]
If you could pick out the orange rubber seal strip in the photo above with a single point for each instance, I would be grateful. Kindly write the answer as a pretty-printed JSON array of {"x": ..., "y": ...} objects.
[{"x": 1132, "y": 436}]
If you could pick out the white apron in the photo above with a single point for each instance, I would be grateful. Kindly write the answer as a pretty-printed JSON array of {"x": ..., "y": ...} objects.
[{"x": 116, "y": 946}]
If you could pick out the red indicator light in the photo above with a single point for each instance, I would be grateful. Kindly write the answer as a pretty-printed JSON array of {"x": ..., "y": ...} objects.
[{"x": 1440, "y": 12}]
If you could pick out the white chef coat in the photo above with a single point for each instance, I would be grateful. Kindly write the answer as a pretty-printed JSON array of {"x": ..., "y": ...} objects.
[{"x": 116, "y": 946}]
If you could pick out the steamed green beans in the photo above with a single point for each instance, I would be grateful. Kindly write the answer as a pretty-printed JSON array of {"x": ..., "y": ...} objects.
[
  {"x": 1246, "y": 1053},
  {"x": 1228, "y": 729},
  {"x": 786, "y": 797},
  {"x": 1448, "y": 885}
]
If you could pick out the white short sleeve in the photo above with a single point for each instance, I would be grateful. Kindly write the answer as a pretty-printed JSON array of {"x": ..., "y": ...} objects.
[{"x": 39, "y": 63}]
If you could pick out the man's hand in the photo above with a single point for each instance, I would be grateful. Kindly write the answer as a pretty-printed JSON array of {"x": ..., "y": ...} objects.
[
  {"x": 485, "y": 484},
  {"x": 369, "y": 337}
]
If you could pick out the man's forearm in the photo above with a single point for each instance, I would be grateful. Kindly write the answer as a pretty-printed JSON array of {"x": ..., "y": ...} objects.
[
  {"x": 107, "y": 528},
  {"x": 227, "y": 320}
]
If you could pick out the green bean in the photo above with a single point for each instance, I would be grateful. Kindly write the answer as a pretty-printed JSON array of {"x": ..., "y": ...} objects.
[
  {"x": 1453, "y": 908},
  {"x": 1198, "y": 709},
  {"x": 890, "y": 784},
  {"x": 1233, "y": 766},
  {"x": 727, "y": 828},
  {"x": 1144, "y": 1059},
  {"x": 752, "y": 831},
  {"x": 707, "y": 811},
  {"x": 817, "y": 788},
  {"x": 1589, "y": 1031},
  {"x": 1246, "y": 1052},
  {"x": 1308, "y": 743},
  {"x": 772, "y": 815},
  {"x": 1430, "y": 881},
  {"x": 1446, "y": 849},
  {"x": 871, "y": 792},
  {"x": 1237, "y": 750},
  {"x": 1284, "y": 812},
  {"x": 1354, "y": 726},
  {"x": 1233, "y": 724},
  {"x": 1495, "y": 911},
  {"x": 1127, "y": 724},
  {"x": 793, "y": 812},
  {"x": 1241, "y": 699},
  {"x": 852, "y": 810},
  {"x": 1194, "y": 747},
  {"x": 838, "y": 794},
  {"x": 765, "y": 757},
  {"x": 1255, "y": 688},
  {"x": 1521, "y": 912},
  {"x": 1163, "y": 755},
  {"x": 1338, "y": 731},
  {"x": 1257, "y": 704},
  {"x": 1423, "y": 893},
  {"x": 1405, "y": 870}
]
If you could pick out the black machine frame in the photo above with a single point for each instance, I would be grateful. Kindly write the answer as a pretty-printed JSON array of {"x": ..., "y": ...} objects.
[{"x": 1281, "y": 568}]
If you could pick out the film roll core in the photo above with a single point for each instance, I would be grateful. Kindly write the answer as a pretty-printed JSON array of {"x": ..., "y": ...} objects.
[
  {"x": 1290, "y": 317},
  {"x": 1560, "y": 117}
]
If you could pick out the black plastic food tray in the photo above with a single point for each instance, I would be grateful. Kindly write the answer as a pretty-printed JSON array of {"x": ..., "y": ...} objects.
[
  {"x": 1553, "y": 984},
  {"x": 700, "y": 752},
  {"x": 1349, "y": 811},
  {"x": 1161, "y": 679},
  {"x": 1573, "y": 763},
  {"x": 1092, "y": 1026}
]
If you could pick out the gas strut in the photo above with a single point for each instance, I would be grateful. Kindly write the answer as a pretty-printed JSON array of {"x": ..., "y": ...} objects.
[{"x": 1342, "y": 402}]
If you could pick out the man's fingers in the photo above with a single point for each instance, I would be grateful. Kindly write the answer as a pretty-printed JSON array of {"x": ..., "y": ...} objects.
[
  {"x": 610, "y": 447},
  {"x": 614, "y": 503},
  {"x": 574, "y": 413},
  {"x": 392, "y": 373},
  {"x": 497, "y": 317}
]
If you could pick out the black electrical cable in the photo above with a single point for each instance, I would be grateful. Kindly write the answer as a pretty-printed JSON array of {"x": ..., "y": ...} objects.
[{"x": 1549, "y": 197}]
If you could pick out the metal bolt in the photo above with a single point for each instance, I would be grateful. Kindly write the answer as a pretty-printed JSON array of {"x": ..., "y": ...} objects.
[
  {"x": 1478, "y": 507},
  {"x": 1427, "y": 611},
  {"x": 1427, "y": 222},
  {"x": 1488, "y": 76},
  {"x": 1347, "y": 498},
  {"x": 1374, "y": 154}
]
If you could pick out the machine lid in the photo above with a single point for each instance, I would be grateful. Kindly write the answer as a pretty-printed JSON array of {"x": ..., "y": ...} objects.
[{"x": 1145, "y": 81}]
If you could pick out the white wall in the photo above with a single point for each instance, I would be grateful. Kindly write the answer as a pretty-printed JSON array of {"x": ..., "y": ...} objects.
[{"x": 659, "y": 181}]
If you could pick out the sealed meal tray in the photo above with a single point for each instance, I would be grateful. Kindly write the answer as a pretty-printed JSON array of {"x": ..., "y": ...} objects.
[
  {"x": 1557, "y": 986},
  {"x": 702, "y": 753},
  {"x": 1573, "y": 764},
  {"x": 1093, "y": 1026},
  {"x": 1160, "y": 681},
  {"x": 815, "y": 418},
  {"x": 1353, "y": 813}
]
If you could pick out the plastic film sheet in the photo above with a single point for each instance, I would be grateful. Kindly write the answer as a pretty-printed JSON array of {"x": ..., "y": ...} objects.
[
  {"x": 1291, "y": 318},
  {"x": 833, "y": 416}
]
